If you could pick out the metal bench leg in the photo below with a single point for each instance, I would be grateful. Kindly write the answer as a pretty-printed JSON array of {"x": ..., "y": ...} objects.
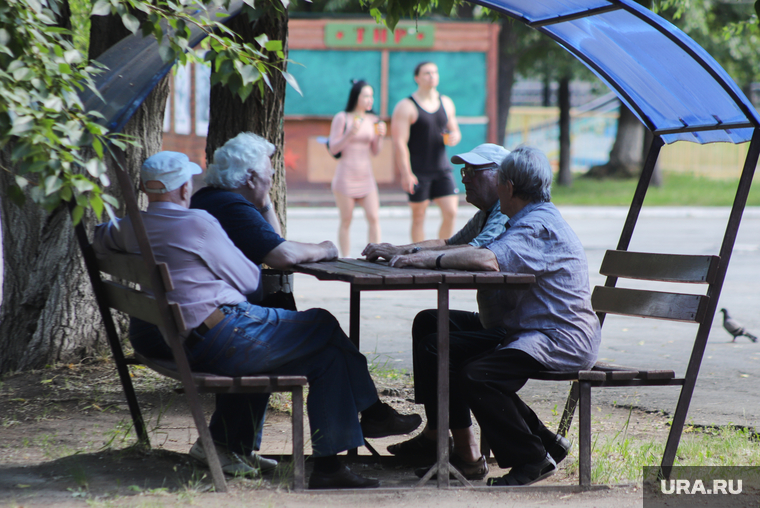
[
  {"x": 584, "y": 431},
  {"x": 567, "y": 415},
  {"x": 298, "y": 465}
]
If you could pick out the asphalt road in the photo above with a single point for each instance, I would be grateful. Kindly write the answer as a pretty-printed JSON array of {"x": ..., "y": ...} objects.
[{"x": 727, "y": 390}]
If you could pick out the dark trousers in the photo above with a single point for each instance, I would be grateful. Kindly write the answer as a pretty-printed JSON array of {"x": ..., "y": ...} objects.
[
  {"x": 238, "y": 419},
  {"x": 484, "y": 378}
]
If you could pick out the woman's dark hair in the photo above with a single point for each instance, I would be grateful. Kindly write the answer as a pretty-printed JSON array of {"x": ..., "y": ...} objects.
[{"x": 353, "y": 96}]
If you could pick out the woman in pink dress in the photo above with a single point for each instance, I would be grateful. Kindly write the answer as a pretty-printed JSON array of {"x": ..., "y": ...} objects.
[{"x": 357, "y": 134}]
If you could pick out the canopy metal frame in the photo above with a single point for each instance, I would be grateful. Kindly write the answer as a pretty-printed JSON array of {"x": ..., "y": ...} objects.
[{"x": 135, "y": 67}]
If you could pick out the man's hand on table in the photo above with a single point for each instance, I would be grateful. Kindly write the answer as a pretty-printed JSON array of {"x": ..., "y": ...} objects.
[
  {"x": 373, "y": 251},
  {"x": 422, "y": 259},
  {"x": 331, "y": 251}
]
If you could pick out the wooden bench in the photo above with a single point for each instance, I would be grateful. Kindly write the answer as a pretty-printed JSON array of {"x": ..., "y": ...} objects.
[
  {"x": 126, "y": 292},
  {"x": 608, "y": 299}
]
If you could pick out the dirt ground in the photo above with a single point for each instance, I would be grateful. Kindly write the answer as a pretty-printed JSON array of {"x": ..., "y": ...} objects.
[{"x": 66, "y": 441}]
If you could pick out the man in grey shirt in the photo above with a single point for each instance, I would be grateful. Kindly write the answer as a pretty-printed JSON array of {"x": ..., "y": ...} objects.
[{"x": 549, "y": 326}]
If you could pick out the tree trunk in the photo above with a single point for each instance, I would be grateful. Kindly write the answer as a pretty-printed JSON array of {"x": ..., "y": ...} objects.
[
  {"x": 625, "y": 156},
  {"x": 507, "y": 64},
  {"x": 48, "y": 312},
  {"x": 565, "y": 177},
  {"x": 229, "y": 116}
]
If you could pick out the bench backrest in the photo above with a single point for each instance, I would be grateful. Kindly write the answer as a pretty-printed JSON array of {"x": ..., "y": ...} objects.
[
  {"x": 130, "y": 291},
  {"x": 674, "y": 268}
]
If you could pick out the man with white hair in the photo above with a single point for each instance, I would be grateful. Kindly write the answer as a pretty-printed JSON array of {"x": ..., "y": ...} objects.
[
  {"x": 230, "y": 336},
  {"x": 549, "y": 326}
]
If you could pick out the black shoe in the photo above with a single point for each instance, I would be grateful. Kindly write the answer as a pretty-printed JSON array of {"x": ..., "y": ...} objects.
[
  {"x": 393, "y": 425},
  {"x": 343, "y": 478},
  {"x": 470, "y": 470},
  {"x": 526, "y": 474},
  {"x": 559, "y": 448},
  {"x": 419, "y": 447}
]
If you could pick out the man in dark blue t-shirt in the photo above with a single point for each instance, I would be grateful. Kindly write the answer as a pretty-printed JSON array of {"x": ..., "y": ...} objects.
[{"x": 237, "y": 195}]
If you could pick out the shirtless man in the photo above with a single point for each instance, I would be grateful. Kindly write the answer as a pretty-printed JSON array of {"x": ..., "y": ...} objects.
[{"x": 421, "y": 126}]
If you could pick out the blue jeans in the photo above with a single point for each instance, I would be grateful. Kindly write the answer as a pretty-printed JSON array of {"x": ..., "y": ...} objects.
[
  {"x": 238, "y": 419},
  {"x": 258, "y": 340}
]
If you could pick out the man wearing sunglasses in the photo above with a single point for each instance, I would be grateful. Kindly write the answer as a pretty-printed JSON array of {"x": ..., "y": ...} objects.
[{"x": 479, "y": 176}]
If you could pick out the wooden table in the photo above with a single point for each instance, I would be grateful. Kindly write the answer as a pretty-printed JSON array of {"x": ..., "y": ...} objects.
[{"x": 378, "y": 276}]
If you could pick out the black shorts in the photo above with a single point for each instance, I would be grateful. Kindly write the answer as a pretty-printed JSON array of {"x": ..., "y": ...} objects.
[{"x": 433, "y": 185}]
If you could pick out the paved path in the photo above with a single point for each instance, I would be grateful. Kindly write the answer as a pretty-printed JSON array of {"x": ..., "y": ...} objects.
[{"x": 727, "y": 390}]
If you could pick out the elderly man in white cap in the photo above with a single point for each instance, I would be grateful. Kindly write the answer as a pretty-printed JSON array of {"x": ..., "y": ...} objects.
[{"x": 232, "y": 337}]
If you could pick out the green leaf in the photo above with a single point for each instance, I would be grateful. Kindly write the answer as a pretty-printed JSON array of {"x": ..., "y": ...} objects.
[
  {"x": 97, "y": 205},
  {"x": 245, "y": 91},
  {"x": 93, "y": 167},
  {"x": 131, "y": 23},
  {"x": 23, "y": 74},
  {"x": 248, "y": 73},
  {"x": 101, "y": 8},
  {"x": 77, "y": 214},
  {"x": 52, "y": 184},
  {"x": 167, "y": 54},
  {"x": 262, "y": 39},
  {"x": 98, "y": 147},
  {"x": 273, "y": 46},
  {"x": 21, "y": 181},
  {"x": 72, "y": 56},
  {"x": 22, "y": 124},
  {"x": 292, "y": 82},
  {"x": 110, "y": 200}
]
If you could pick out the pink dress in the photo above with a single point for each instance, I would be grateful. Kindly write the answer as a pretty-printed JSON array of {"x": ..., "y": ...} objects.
[{"x": 353, "y": 176}]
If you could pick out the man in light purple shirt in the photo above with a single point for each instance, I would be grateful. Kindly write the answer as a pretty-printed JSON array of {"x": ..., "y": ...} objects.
[
  {"x": 231, "y": 337},
  {"x": 549, "y": 326}
]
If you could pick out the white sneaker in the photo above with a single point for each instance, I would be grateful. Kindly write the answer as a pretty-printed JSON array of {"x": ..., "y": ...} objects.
[{"x": 232, "y": 463}]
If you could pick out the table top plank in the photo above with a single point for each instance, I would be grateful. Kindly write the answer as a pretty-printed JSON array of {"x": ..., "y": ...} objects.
[{"x": 379, "y": 273}]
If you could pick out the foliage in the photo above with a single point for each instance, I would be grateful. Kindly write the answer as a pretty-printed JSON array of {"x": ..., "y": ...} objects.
[
  {"x": 43, "y": 125},
  {"x": 42, "y": 121},
  {"x": 728, "y": 31}
]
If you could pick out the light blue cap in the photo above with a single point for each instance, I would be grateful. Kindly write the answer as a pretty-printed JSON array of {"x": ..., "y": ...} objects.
[
  {"x": 170, "y": 168},
  {"x": 487, "y": 153}
]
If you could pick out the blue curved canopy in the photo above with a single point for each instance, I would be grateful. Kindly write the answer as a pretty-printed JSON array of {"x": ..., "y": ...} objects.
[{"x": 674, "y": 87}]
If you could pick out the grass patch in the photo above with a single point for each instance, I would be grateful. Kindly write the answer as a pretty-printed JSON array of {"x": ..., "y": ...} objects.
[
  {"x": 621, "y": 458},
  {"x": 678, "y": 189}
]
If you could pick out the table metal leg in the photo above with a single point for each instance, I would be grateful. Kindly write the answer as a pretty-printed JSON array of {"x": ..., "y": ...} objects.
[
  {"x": 354, "y": 316},
  {"x": 353, "y": 334},
  {"x": 443, "y": 386}
]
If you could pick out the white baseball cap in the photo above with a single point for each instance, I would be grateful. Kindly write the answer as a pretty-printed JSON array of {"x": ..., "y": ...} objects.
[
  {"x": 170, "y": 168},
  {"x": 487, "y": 153}
]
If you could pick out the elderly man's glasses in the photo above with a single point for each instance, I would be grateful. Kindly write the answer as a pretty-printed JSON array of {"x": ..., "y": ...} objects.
[{"x": 469, "y": 171}]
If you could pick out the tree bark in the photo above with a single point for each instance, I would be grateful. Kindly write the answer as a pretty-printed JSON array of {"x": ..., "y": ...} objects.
[
  {"x": 229, "y": 116},
  {"x": 565, "y": 177},
  {"x": 625, "y": 156},
  {"x": 48, "y": 313},
  {"x": 507, "y": 64}
]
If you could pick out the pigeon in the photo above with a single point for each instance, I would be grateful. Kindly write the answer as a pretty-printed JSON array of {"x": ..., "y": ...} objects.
[{"x": 734, "y": 328}]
